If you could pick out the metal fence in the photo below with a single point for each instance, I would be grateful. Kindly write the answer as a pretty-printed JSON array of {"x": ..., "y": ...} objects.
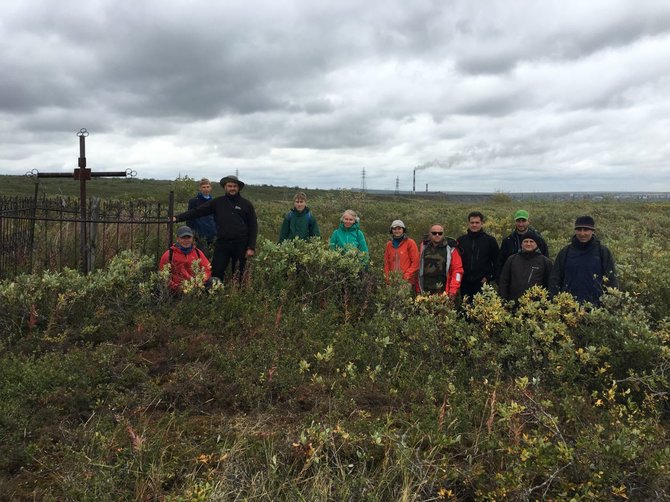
[{"x": 44, "y": 233}]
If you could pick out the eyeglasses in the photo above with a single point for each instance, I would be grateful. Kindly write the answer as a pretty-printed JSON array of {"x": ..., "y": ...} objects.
[{"x": 437, "y": 233}]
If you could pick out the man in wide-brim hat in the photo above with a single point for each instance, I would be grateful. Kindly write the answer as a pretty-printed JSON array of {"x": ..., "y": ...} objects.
[
  {"x": 237, "y": 227},
  {"x": 231, "y": 179}
]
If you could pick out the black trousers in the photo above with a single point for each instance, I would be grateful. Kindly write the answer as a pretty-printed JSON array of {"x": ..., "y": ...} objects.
[
  {"x": 229, "y": 252},
  {"x": 471, "y": 288}
]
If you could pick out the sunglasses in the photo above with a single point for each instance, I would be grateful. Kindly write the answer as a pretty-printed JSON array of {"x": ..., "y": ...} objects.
[{"x": 437, "y": 233}]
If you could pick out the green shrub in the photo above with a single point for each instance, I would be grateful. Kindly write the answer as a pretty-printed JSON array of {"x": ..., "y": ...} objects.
[{"x": 318, "y": 380}]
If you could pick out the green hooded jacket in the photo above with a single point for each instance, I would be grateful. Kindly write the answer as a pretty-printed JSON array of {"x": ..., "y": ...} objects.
[
  {"x": 349, "y": 238},
  {"x": 302, "y": 225}
]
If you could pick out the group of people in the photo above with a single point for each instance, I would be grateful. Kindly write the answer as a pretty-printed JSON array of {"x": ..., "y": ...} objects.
[
  {"x": 439, "y": 265},
  {"x": 447, "y": 266},
  {"x": 228, "y": 223}
]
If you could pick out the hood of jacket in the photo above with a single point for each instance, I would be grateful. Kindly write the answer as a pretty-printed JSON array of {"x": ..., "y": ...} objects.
[
  {"x": 298, "y": 214},
  {"x": 352, "y": 228}
]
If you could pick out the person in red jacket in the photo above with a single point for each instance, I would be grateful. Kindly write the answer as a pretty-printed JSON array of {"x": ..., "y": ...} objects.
[
  {"x": 180, "y": 257},
  {"x": 440, "y": 264},
  {"x": 401, "y": 254}
]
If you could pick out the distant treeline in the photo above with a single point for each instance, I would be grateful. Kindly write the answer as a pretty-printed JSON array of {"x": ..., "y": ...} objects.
[{"x": 132, "y": 188}]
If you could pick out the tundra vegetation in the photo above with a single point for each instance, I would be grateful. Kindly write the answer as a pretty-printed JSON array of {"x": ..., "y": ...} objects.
[{"x": 317, "y": 380}]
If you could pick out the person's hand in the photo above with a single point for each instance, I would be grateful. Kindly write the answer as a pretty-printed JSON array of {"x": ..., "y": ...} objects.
[
  {"x": 174, "y": 219},
  {"x": 250, "y": 252}
]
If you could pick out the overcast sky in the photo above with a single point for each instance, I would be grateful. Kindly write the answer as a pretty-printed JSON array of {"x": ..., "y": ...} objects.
[{"x": 514, "y": 95}]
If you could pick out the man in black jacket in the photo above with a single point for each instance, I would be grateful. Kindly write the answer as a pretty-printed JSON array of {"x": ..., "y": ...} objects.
[
  {"x": 512, "y": 243},
  {"x": 237, "y": 227},
  {"x": 585, "y": 266},
  {"x": 479, "y": 252}
]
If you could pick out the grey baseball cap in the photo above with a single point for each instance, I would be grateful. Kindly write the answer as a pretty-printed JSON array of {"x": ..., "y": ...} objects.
[{"x": 184, "y": 231}]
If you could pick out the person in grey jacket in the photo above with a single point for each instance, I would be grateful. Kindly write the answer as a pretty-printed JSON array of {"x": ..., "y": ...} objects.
[
  {"x": 527, "y": 268},
  {"x": 511, "y": 244}
]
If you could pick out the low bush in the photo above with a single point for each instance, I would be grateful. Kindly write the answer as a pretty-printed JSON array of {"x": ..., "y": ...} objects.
[{"x": 318, "y": 380}]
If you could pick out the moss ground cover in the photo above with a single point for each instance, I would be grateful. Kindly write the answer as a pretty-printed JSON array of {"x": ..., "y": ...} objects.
[{"x": 318, "y": 381}]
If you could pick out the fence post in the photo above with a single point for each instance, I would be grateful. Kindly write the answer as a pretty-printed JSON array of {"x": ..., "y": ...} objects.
[
  {"x": 170, "y": 215},
  {"x": 83, "y": 247},
  {"x": 33, "y": 214},
  {"x": 93, "y": 231}
]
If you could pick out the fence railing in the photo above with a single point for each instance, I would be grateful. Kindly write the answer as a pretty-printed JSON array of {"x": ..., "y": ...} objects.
[{"x": 43, "y": 233}]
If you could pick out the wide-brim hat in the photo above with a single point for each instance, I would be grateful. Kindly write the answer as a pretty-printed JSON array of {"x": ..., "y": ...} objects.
[{"x": 231, "y": 179}]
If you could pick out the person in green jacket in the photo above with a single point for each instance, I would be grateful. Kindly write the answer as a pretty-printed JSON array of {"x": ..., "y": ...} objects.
[
  {"x": 299, "y": 222},
  {"x": 349, "y": 236}
]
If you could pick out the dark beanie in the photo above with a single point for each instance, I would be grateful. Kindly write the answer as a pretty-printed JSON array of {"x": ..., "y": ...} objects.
[
  {"x": 585, "y": 222},
  {"x": 529, "y": 235}
]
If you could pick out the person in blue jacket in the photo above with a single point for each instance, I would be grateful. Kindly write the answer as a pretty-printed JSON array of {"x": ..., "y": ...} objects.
[
  {"x": 585, "y": 266},
  {"x": 205, "y": 226}
]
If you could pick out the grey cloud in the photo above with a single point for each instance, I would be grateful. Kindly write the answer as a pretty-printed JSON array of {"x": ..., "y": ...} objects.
[
  {"x": 329, "y": 135},
  {"x": 502, "y": 103},
  {"x": 319, "y": 105},
  {"x": 313, "y": 91},
  {"x": 495, "y": 45},
  {"x": 169, "y": 68}
]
